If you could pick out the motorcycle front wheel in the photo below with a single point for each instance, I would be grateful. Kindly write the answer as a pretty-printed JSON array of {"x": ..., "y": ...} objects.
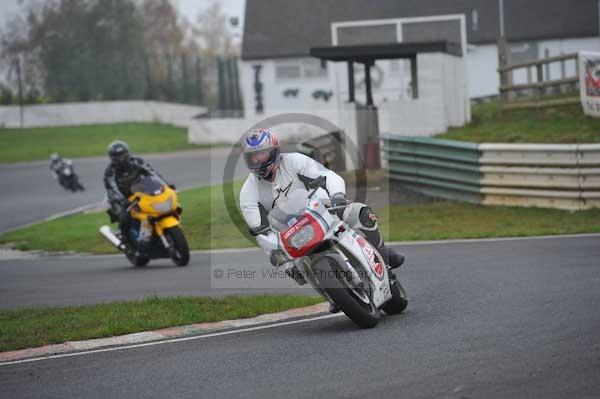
[
  {"x": 179, "y": 251},
  {"x": 399, "y": 300},
  {"x": 354, "y": 305}
]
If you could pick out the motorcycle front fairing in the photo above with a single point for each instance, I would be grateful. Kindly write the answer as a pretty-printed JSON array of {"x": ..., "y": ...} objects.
[{"x": 156, "y": 201}]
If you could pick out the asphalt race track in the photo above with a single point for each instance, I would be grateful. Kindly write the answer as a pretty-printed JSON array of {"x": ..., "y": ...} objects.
[
  {"x": 74, "y": 280},
  {"x": 487, "y": 319},
  {"x": 30, "y": 192}
]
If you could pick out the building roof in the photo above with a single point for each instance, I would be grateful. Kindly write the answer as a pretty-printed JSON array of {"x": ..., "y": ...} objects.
[
  {"x": 289, "y": 28},
  {"x": 365, "y": 53}
]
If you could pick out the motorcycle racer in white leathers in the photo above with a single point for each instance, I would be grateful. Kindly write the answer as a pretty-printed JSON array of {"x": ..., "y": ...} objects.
[{"x": 274, "y": 175}]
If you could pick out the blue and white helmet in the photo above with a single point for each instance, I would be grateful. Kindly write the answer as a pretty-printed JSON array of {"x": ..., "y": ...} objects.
[{"x": 261, "y": 152}]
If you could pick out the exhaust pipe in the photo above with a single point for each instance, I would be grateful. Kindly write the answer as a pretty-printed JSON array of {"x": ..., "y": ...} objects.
[{"x": 107, "y": 233}]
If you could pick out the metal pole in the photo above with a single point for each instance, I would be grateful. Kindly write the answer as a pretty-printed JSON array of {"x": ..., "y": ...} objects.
[
  {"x": 501, "y": 14},
  {"x": 414, "y": 78},
  {"x": 350, "y": 82},
  {"x": 20, "y": 83},
  {"x": 368, "y": 82}
]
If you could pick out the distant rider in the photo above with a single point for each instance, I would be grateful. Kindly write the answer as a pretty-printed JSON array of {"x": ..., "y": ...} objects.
[{"x": 57, "y": 163}]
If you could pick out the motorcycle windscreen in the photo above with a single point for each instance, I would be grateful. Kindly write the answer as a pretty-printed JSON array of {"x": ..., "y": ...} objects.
[
  {"x": 288, "y": 210},
  {"x": 150, "y": 185}
]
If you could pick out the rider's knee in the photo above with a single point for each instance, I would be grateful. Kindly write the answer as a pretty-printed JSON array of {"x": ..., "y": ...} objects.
[
  {"x": 363, "y": 219},
  {"x": 361, "y": 216}
]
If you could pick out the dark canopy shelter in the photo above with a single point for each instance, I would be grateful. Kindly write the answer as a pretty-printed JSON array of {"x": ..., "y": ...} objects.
[{"x": 368, "y": 54}]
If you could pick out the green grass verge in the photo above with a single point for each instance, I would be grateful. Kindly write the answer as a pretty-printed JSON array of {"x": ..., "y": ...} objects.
[
  {"x": 553, "y": 125},
  {"x": 445, "y": 220},
  {"x": 207, "y": 224},
  {"x": 17, "y": 145},
  {"x": 27, "y": 328}
]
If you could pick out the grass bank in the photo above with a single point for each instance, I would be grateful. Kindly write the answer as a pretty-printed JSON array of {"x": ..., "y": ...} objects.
[
  {"x": 553, "y": 125},
  {"x": 20, "y": 145},
  {"x": 26, "y": 328}
]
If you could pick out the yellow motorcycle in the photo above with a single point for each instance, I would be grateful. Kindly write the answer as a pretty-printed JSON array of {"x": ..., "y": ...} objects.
[{"x": 155, "y": 229}]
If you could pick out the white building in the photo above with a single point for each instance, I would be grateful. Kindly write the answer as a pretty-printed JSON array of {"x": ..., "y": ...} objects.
[
  {"x": 279, "y": 34},
  {"x": 277, "y": 72}
]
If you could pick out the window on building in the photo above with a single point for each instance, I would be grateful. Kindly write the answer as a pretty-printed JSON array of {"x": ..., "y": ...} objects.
[
  {"x": 307, "y": 68},
  {"x": 475, "y": 20},
  {"x": 313, "y": 68},
  {"x": 395, "y": 67},
  {"x": 287, "y": 71}
]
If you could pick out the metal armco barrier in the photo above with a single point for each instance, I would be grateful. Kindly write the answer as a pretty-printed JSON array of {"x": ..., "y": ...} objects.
[
  {"x": 326, "y": 149},
  {"x": 564, "y": 176}
]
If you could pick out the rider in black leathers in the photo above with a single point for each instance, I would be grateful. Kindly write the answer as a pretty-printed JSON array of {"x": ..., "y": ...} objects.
[{"x": 123, "y": 170}]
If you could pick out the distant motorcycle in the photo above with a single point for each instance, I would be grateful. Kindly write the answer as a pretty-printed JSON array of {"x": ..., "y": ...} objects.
[
  {"x": 64, "y": 172},
  {"x": 155, "y": 233}
]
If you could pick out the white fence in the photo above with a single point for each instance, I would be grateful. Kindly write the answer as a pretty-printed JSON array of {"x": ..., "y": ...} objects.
[{"x": 92, "y": 113}]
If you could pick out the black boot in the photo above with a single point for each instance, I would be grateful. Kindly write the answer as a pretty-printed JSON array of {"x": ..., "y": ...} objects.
[{"x": 392, "y": 258}]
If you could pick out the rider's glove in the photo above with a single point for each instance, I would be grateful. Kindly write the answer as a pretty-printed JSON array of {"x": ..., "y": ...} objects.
[
  {"x": 339, "y": 199},
  {"x": 172, "y": 186},
  {"x": 278, "y": 258},
  {"x": 123, "y": 218}
]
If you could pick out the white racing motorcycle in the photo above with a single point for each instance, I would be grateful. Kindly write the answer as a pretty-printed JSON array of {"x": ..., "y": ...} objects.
[{"x": 319, "y": 248}]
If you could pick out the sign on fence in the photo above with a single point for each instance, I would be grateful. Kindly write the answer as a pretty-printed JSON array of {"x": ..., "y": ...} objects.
[{"x": 589, "y": 82}]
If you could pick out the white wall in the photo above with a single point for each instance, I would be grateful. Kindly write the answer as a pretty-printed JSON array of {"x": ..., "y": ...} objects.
[
  {"x": 442, "y": 100},
  {"x": 230, "y": 130},
  {"x": 482, "y": 63},
  {"x": 273, "y": 89},
  {"x": 108, "y": 112},
  {"x": 395, "y": 84},
  {"x": 557, "y": 47}
]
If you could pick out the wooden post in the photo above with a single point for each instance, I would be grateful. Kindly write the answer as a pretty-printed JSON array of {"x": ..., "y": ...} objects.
[
  {"x": 562, "y": 89},
  {"x": 502, "y": 63},
  {"x": 540, "y": 79}
]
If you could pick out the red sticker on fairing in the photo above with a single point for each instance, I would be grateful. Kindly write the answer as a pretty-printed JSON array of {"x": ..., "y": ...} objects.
[
  {"x": 319, "y": 233},
  {"x": 370, "y": 255},
  {"x": 378, "y": 269}
]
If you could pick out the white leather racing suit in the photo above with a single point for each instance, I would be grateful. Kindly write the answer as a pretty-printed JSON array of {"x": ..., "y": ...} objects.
[{"x": 296, "y": 171}]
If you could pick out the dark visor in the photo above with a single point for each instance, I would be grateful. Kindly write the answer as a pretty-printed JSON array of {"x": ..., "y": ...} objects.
[
  {"x": 119, "y": 157},
  {"x": 259, "y": 159}
]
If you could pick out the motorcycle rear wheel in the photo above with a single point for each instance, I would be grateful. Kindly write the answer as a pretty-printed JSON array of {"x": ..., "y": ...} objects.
[
  {"x": 362, "y": 314},
  {"x": 137, "y": 260}
]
